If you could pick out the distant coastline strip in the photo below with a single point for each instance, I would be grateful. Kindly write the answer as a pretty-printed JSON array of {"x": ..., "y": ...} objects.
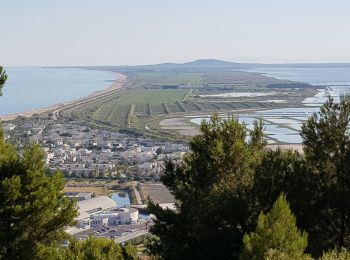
[{"x": 117, "y": 85}]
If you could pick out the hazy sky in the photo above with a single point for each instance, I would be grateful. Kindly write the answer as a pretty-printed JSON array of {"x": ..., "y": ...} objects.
[{"x": 113, "y": 32}]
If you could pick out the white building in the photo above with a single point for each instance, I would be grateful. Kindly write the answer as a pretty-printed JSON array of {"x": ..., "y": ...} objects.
[
  {"x": 103, "y": 211},
  {"x": 96, "y": 205},
  {"x": 79, "y": 196},
  {"x": 116, "y": 217}
]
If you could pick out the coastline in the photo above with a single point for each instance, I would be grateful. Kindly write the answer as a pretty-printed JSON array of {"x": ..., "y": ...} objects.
[{"x": 117, "y": 85}]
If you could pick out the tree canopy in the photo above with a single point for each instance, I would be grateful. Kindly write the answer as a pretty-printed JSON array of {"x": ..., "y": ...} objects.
[
  {"x": 341, "y": 254},
  {"x": 33, "y": 208},
  {"x": 276, "y": 235},
  {"x": 91, "y": 248},
  {"x": 221, "y": 186},
  {"x": 228, "y": 178},
  {"x": 326, "y": 139},
  {"x": 211, "y": 187}
]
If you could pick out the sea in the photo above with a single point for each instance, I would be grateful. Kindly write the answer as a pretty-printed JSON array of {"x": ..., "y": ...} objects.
[
  {"x": 30, "y": 88},
  {"x": 35, "y": 87},
  {"x": 317, "y": 76}
]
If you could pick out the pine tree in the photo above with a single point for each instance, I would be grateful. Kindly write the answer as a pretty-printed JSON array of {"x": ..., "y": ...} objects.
[
  {"x": 212, "y": 189},
  {"x": 33, "y": 208},
  {"x": 91, "y": 248},
  {"x": 326, "y": 140},
  {"x": 276, "y": 236},
  {"x": 316, "y": 182},
  {"x": 341, "y": 254}
]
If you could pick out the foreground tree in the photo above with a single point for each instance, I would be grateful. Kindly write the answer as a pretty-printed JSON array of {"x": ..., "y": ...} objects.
[
  {"x": 212, "y": 190},
  {"x": 276, "y": 236},
  {"x": 341, "y": 254},
  {"x": 280, "y": 171},
  {"x": 33, "y": 209},
  {"x": 327, "y": 152},
  {"x": 316, "y": 182},
  {"x": 92, "y": 248}
]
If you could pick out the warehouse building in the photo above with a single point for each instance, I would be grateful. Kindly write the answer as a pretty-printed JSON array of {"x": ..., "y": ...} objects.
[
  {"x": 102, "y": 211},
  {"x": 88, "y": 208}
]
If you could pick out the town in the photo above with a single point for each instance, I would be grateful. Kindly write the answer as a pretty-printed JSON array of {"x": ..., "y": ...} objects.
[
  {"x": 79, "y": 151},
  {"x": 110, "y": 174}
]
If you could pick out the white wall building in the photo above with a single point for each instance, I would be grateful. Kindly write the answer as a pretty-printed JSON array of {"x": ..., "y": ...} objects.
[
  {"x": 121, "y": 216},
  {"x": 102, "y": 211},
  {"x": 86, "y": 208}
]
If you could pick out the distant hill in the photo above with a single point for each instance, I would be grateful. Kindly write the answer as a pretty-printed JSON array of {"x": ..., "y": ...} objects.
[
  {"x": 200, "y": 64},
  {"x": 205, "y": 64},
  {"x": 214, "y": 64}
]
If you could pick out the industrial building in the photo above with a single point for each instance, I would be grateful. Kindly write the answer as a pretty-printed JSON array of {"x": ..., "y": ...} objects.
[
  {"x": 102, "y": 211},
  {"x": 79, "y": 196},
  {"x": 120, "y": 216}
]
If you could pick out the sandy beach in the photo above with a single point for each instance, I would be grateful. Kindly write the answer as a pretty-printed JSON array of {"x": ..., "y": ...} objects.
[{"x": 116, "y": 86}]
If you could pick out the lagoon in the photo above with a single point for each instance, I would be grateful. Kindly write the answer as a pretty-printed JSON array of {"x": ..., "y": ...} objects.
[
  {"x": 284, "y": 124},
  {"x": 122, "y": 201}
]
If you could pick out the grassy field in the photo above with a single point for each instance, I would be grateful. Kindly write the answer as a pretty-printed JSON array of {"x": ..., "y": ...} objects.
[
  {"x": 154, "y": 96},
  {"x": 151, "y": 96},
  {"x": 99, "y": 191},
  {"x": 161, "y": 78}
]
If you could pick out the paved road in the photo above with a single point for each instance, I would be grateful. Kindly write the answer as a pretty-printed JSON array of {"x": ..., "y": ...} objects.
[
  {"x": 137, "y": 193},
  {"x": 130, "y": 236}
]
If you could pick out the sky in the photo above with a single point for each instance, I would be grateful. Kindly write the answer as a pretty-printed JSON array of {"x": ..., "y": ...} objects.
[{"x": 132, "y": 32}]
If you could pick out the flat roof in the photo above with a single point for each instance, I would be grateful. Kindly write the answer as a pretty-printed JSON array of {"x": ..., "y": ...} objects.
[{"x": 94, "y": 204}]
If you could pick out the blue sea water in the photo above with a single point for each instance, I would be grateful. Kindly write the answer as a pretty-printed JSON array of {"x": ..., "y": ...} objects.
[{"x": 29, "y": 88}]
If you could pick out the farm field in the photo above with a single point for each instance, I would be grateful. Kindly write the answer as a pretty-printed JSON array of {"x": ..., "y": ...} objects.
[
  {"x": 157, "y": 192},
  {"x": 99, "y": 191},
  {"x": 152, "y": 96}
]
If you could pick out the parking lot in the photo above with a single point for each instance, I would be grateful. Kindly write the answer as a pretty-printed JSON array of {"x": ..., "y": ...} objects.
[{"x": 114, "y": 232}]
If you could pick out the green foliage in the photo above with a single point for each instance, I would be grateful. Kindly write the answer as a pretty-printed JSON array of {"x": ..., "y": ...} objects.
[
  {"x": 342, "y": 254},
  {"x": 224, "y": 182},
  {"x": 53, "y": 252},
  {"x": 220, "y": 187},
  {"x": 316, "y": 182},
  {"x": 92, "y": 248},
  {"x": 97, "y": 248},
  {"x": 280, "y": 171},
  {"x": 273, "y": 254},
  {"x": 3, "y": 78},
  {"x": 130, "y": 252},
  {"x": 276, "y": 236},
  {"x": 33, "y": 208},
  {"x": 327, "y": 153},
  {"x": 212, "y": 189}
]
